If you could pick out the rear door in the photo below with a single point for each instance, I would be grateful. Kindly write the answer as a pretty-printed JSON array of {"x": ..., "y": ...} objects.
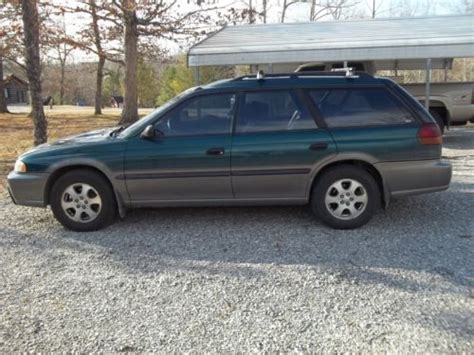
[{"x": 275, "y": 146}]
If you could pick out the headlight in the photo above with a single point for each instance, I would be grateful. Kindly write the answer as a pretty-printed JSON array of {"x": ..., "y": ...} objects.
[{"x": 20, "y": 167}]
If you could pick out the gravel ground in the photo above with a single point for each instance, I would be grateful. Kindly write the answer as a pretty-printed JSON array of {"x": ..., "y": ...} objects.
[{"x": 246, "y": 279}]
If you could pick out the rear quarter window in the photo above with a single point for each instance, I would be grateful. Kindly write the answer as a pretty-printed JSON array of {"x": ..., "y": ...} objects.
[
  {"x": 360, "y": 107},
  {"x": 413, "y": 103}
]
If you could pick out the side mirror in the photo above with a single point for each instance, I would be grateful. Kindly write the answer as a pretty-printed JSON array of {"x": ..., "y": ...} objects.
[{"x": 148, "y": 132}]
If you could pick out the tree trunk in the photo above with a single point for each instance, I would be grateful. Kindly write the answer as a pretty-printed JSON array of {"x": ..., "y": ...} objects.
[
  {"x": 29, "y": 12},
  {"x": 264, "y": 10},
  {"x": 100, "y": 66},
  {"x": 313, "y": 10},
  {"x": 130, "y": 107},
  {"x": 251, "y": 17},
  {"x": 98, "y": 88},
  {"x": 61, "y": 83},
  {"x": 3, "y": 99},
  {"x": 283, "y": 11}
]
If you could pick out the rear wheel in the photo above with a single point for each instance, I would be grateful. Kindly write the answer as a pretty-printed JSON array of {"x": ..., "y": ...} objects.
[
  {"x": 83, "y": 201},
  {"x": 345, "y": 197},
  {"x": 439, "y": 120}
]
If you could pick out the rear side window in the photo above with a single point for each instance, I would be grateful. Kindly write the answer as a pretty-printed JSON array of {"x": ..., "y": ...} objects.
[
  {"x": 360, "y": 107},
  {"x": 272, "y": 111}
]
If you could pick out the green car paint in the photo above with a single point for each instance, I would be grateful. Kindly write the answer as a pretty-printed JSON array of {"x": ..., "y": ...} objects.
[{"x": 237, "y": 168}]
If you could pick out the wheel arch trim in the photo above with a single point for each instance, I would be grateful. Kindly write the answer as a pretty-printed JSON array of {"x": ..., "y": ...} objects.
[
  {"x": 359, "y": 159},
  {"x": 62, "y": 167}
]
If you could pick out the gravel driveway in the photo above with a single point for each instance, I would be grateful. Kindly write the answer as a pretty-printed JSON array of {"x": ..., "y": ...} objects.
[{"x": 246, "y": 279}]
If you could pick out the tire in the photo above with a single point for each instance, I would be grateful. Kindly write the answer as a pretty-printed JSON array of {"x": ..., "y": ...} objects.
[
  {"x": 439, "y": 120},
  {"x": 326, "y": 204},
  {"x": 83, "y": 201}
]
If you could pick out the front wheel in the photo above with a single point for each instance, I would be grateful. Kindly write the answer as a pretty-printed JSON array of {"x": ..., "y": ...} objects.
[
  {"x": 345, "y": 197},
  {"x": 83, "y": 201}
]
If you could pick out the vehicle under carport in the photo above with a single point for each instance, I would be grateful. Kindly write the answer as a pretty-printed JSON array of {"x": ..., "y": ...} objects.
[{"x": 380, "y": 44}]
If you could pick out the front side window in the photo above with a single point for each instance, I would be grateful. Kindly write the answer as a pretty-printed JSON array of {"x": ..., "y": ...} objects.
[
  {"x": 272, "y": 111},
  {"x": 359, "y": 107},
  {"x": 208, "y": 114}
]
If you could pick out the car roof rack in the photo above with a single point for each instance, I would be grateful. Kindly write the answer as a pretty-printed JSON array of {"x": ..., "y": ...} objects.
[{"x": 335, "y": 73}]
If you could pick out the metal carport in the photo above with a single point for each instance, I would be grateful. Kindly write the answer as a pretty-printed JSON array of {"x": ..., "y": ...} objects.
[{"x": 403, "y": 43}]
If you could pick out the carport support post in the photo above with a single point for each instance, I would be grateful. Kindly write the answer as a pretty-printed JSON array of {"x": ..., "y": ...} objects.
[
  {"x": 428, "y": 83},
  {"x": 196, "y": 76}
]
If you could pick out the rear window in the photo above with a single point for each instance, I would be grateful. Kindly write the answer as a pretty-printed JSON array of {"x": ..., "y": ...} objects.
[{"x": 360, "y": 107}]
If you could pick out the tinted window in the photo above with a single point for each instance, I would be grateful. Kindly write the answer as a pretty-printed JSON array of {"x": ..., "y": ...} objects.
[
  {"x": 414, "y": 104},
  {"x": 360, "y": 107},
  {"x": 272, "y": 111},
  {"x": 209, "y": 114}
]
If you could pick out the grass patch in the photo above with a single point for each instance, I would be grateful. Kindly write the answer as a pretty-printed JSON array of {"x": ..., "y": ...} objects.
[{"x": 16, "y": 129}]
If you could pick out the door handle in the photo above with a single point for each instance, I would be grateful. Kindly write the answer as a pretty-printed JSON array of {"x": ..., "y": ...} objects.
[
  {"x": 318, "y": 146},
  {"x": 215, "y": 151}
]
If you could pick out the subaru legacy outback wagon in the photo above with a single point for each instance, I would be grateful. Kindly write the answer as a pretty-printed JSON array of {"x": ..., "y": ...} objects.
[{"x": 345, "y": 144}]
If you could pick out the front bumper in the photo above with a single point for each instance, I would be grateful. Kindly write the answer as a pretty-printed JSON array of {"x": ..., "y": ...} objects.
[
  {"x": 415, "y": 177},
  {"x": 27, "y": 188}
]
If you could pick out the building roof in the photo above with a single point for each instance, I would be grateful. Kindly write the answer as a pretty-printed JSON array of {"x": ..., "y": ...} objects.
[
  {"x": 11, "y": 78},
  {"x": 379, "y": 39}
]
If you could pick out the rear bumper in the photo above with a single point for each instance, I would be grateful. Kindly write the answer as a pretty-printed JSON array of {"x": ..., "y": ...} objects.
[
  {"x": 415, "y": 177},
  {"x": 27, "y": 189}
]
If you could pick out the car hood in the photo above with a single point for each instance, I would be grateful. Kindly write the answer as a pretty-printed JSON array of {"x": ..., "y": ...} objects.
[{"x": 83, "y": 139}]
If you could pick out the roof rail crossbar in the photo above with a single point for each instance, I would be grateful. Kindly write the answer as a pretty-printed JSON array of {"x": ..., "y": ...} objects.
[{"x": 295, "y": 75}]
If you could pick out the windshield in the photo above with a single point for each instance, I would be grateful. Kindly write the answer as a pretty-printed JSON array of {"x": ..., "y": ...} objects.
[{"x": 132, "y": 129}]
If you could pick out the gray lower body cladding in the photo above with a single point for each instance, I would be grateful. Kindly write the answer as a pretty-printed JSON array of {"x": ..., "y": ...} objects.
[
  {"x": 399, "y": 178},
  {"x": 28, "y": 189},
  {"x": 415, "y": 177}
]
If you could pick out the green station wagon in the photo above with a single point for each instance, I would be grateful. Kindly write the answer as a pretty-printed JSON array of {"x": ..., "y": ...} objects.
[{"x": 343, "y": 143}]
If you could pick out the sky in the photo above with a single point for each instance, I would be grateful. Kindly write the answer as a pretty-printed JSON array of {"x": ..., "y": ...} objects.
[{"x": 384, "y": 8}]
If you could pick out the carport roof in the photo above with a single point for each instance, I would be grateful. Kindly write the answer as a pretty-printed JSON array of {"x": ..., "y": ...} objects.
[{"x": 379, "y": 39}]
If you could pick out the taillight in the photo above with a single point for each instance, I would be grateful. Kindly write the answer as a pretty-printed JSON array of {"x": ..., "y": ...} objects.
[{"x": 429, "y": 133}]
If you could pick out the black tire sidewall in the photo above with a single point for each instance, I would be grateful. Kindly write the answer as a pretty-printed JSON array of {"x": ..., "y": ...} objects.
[
  {"x": 318, "y": 196},
  {"x": 108, "y": 209}
]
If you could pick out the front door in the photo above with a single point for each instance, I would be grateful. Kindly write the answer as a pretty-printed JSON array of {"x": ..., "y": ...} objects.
[
  {"x": 275, "y": 147},
  {"x": 189, "y": 158}
]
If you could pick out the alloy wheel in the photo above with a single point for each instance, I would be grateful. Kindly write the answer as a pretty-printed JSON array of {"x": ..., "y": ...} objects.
[
  {"x": 346, "y": 199},
  {"x": 81, "y": 202}
]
